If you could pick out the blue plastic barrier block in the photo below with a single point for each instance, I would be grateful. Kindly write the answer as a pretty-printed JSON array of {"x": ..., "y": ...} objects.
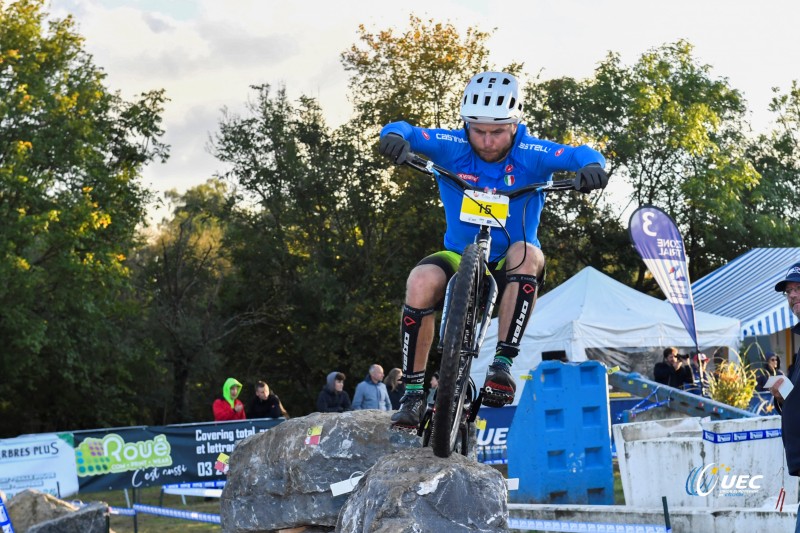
[{"x": 559, "y": 442}]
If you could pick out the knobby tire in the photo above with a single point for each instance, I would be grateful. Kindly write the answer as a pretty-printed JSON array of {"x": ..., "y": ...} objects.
[{"x": 448, "y": 412}]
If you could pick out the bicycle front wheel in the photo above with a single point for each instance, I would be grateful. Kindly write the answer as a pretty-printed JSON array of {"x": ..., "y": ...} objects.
[{"x": 458, "y": 333}]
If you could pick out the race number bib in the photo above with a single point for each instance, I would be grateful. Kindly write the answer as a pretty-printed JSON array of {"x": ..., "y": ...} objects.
[{"x": 484, "y": 208}]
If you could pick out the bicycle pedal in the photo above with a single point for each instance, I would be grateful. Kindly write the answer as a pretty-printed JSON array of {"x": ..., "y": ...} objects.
[
  {"x": 404, "y": 429},
  {"x": 493, "y": 398}
]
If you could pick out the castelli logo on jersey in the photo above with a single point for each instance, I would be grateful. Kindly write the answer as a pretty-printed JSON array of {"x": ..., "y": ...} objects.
[
  {"x": 509, "y": 168},
  {"x": 425, "y": 134},
  {"x": 559, "y": 152},
  {"x": 509, "y": 179},
  {"x": 468, "y": 177}
]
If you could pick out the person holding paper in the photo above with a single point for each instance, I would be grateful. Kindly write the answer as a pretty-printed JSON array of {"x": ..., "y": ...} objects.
[{"x": 786, "y": 402}]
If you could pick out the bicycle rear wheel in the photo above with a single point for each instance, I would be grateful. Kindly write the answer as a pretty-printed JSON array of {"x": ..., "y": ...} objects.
[{"x": 458, "y": 333}]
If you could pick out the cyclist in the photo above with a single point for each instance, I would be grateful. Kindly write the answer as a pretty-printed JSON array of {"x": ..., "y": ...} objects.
[{"x": 492, "y": 151}]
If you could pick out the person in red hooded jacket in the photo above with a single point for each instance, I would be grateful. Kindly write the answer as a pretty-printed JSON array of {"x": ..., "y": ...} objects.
[{"x": 229, "y": 407}]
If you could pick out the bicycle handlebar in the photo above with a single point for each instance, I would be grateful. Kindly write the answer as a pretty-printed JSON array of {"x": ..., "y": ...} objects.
[{"x": 429, "y": 167}]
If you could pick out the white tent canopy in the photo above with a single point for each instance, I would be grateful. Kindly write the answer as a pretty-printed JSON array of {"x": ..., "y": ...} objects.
[{"x": 592, "y": 310}]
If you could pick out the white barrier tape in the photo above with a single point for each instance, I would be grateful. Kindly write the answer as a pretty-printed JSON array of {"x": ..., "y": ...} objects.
[
  {"x": 589, "y": 527},
  {"x": 177, "y": 513},
  {"x": 197, "y": 485},
  {"x": 122, "y": 511},
  {"x": 208, "y": 493}
]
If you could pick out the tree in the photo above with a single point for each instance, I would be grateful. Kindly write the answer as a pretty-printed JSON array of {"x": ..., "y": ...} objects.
[
  {"x": 776, "y": 156},
  {"x": 70, "y": 201},
  {"x": 180, "y": 277},
  {"x": 417, "y": 75},
  {"x": 677, "y": 136},
  {"x": 307, "y": 246},
  {"x": 576, "y": 230}
]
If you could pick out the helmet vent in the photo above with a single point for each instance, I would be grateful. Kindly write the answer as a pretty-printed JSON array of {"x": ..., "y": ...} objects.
[
  {"x": 506, "y": 81},
  {"x": 511, "y": 103},
  {"x": 500, "y": 100},
  {"x": 487, "y": 100}
]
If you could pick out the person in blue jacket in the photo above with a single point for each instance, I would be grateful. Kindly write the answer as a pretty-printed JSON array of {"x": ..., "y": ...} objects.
[
  {"x": 492, "y": 151},
  {"x": 372, "y": 393}
]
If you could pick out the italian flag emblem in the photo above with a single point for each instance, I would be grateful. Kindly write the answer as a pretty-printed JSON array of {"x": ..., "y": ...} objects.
[{"x": 509, "y": 179}]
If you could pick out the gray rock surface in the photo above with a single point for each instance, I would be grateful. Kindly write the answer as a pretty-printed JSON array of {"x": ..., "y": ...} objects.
[
  {"x": 31, "y": 507},
  {"x": 413, "y": 491},
  {"x": 32, "y": 511},
  {"x": 278, "y": 481},
  {"x": 92, "y": 518}
]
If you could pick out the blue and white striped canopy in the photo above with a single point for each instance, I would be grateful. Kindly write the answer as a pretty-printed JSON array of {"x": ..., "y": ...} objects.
[{"x": 745, "y": 289}]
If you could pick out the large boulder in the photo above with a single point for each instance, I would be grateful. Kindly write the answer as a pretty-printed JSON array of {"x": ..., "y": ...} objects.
[
  {"x": 90, "y": 518},
  {"x": 31, "y": 507},
  {"x": 281, "y": 478},
  {"x": 33, "y": 511},
  {"x": 414, "y": 491}
]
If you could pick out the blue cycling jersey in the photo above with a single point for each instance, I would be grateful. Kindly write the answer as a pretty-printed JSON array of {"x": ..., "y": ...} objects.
[{"x": 530, "y": 160}]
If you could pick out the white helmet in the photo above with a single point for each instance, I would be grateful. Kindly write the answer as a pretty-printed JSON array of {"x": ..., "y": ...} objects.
[{"x": 492, "y": 98}]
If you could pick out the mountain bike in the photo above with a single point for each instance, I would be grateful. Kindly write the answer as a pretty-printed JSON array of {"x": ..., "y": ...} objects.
[{"x": 467, "y": 311}]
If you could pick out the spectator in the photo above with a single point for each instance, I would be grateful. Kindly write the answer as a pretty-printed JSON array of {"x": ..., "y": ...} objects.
[
  {"x": 789, "y": 407},
  {"x": 671, "y": 370},
  {"x": 371, "y": 393},
  {"x": 229, "y": 407},
  {"x": 395, "y": 387},
  {"x": 432, "y": 391},
  {"x": 266, "y": 404},
  {"x": 772, "y": 368},
  {"x": 333, "y": 398},
  {"x": 699, "y": 383}
]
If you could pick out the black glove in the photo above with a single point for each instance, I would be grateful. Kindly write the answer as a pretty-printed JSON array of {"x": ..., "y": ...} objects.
[
  {"x": 590, "y": 177},
  {"x": 394, "y": 147}
]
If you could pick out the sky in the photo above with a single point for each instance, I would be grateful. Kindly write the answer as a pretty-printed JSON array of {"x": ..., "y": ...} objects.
[{"x": 207, "y": 54}]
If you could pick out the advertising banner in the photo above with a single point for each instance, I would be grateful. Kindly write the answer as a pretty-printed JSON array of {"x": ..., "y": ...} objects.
[
  {"x": 44, "y": 462},
  {"x": 145, "y": 456},
  {"x": 658, "y": 241}
]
